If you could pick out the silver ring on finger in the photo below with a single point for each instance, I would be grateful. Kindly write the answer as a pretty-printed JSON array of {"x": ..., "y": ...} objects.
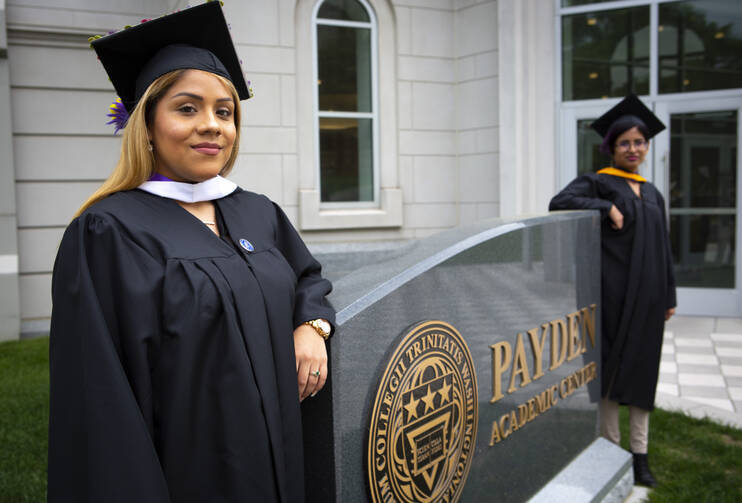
[{"x": 316, "y": 373}]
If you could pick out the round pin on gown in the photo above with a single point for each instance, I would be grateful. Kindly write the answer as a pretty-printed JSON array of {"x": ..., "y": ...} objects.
[{"x": 247, "y": 245}]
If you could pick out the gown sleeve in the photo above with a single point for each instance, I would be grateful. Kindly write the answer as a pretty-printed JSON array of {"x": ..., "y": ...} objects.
[
  {"x": 581, "y": 194},
  {"x": 103, "y": 341},
  {"x": 311, "y": 289}
]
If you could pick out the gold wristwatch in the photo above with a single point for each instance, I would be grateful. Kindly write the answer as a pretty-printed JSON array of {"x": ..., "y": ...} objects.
[{"x": 322, "y": 327}]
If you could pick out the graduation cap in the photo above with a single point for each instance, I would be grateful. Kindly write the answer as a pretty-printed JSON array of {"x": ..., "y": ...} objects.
[
  {"x": 632, "y": 106},
  {"x": 195, "y": 38}
]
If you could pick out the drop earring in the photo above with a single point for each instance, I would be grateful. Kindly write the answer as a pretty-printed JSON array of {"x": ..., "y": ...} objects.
[{"x": 150, "y": 147}]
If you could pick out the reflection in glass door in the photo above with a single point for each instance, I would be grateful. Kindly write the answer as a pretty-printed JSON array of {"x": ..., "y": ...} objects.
[
  {"x": 589, "y": 157},
  {"x": 699, "y": 155},
  {"x": 703, "y": 198}
]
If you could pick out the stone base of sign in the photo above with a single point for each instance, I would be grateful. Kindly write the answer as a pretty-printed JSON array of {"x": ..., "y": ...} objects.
[{"x": 601, "y": 473}]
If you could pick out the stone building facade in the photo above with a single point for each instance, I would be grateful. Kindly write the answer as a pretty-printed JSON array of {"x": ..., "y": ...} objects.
[
  {"x": 439, "y": 88},
  {"x": 474, "y": 109}
]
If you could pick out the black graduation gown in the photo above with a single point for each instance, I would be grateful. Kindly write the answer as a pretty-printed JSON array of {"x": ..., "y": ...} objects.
[
  {"x": 173, "y": 375},
  {"x": 638, "y": 282}
]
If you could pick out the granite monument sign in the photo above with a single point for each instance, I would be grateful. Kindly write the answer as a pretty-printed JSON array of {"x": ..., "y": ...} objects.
[{"x": 466, "y": 368}]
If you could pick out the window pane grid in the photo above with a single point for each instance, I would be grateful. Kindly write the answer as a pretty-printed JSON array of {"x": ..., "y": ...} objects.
[
  {"x": 345, "y": 106},
  {"x": 605, "y": 54},
  {"x": 665, "y": 47}
]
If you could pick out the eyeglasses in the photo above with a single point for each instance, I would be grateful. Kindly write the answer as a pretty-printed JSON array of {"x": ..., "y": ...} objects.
[{"x": 626, "y": 144}]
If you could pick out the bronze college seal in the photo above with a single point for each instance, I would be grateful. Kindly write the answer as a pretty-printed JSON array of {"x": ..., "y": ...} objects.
[{"x": 424, "y": 419}]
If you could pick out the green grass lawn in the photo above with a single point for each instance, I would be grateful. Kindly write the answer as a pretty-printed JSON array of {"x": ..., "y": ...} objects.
[
  {"x": 693, "y": 460},
  {"x": 24, "y": 412}
]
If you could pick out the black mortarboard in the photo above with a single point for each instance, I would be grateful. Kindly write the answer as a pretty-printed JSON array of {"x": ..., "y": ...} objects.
[
  {"x": 630, "y": 105},
  {"x": 195, "y": 38}
]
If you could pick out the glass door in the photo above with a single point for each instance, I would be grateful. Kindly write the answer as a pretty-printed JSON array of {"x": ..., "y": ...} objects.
[{"x": 700, "y": 181}]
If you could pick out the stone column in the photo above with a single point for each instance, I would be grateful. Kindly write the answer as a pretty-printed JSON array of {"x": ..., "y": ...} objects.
[
  {"x": 10, "y": 311},
  {"x": 528, "y": 52}
]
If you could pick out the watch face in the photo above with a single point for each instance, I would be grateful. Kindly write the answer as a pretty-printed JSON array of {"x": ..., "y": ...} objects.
[{"x": 325, "y": 326}]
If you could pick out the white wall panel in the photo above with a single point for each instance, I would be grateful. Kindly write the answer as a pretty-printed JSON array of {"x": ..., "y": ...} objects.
[
  {"x": 478, "y": 180},
  {"x": 433, "y": 106},
  {"x": 407, "y": 177},
  {"x": 261, "y": 174},
  {"x": 435, "y": 179},
  {"x": 56, "y": 67},
  {"x": 57, "y": 16},
  {"x": 47, "y": 111},
  {"x": 478, "y": 141},
  {"x": 404, "y": 107},
  {"x": 260, "y": 59},
  {"x": 404, "y": 30},
  {"x": 253, "y": 21},
  {"x": 430, "y": 215},
  {"x": 427, "y": 143},
  {"x": 36, "y": 295},
  {"x": 65, "y": 157},
  {"x": 427, "y": 69},
  {"x": 485, "y": 65},
  {"x": 466, "y": 68},
  {"x": 432, "y": 33},
  {"x": 130, "y": 6},
  {"x": 286, "y": 13},
  {"x": 290, "y": 170},
  {"x": 461, "y": 4},
  {"x": 477, "y": 104},
  {"x": 50, "y": 203},
  {"x": 268, "y": 140},
  {"x": 39, "y": 248},
  {"x": 288, "y": 100},
  {"x": 426, "y": 4},
  {"x": 467, "y": 213},
  {"x": 264, "y": 108},
  {"x": 475, "y": 29}
]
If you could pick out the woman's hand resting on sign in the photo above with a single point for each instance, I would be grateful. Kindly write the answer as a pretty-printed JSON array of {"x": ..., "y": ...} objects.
[
  {"x": 311, "y": 356},
  {"x": 616, "y": 218}
]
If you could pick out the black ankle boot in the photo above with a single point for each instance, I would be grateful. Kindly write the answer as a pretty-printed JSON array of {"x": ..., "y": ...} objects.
[{"x": 642, "y": 475}]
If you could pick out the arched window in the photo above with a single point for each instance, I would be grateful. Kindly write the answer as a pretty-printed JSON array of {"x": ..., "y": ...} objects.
[{"x": 345, "y": 103}]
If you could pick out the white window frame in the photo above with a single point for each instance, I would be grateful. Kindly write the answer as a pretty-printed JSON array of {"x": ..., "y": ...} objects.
[
  {"x": 388, "y": 210},
  {"x": 373, "y": 115}
]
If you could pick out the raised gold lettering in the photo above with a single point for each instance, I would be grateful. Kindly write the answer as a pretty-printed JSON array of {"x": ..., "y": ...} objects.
[
  {"x": 384, "y": 488},
  {"x": 501, "y": 356},
  {"x": 558, "y": 343},
  {"x": 520, "y": 366},
  {"x": 505, "y": 433},
  {"x": 542, "y": 401},
  {"x": 531, "y": 409},
  {"x": 522, "y": 415},
  {"x": 563, "y": 388},
  {"x": 587, "y": 316},
  {"x": 514, "y": 420},
  {"x": 573, "y": 330},
  {"x": 537, "y": 347},
  {"x": 393, "y": 383}
]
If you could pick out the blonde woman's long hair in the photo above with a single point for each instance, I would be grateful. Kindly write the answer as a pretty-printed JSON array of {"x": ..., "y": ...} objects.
[{"x": 137, "y": 163}]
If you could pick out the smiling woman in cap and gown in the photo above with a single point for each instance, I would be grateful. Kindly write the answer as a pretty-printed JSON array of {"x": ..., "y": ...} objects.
[
  {"x": 189, "y": 318},
  {"x": 638, "y": 281}
]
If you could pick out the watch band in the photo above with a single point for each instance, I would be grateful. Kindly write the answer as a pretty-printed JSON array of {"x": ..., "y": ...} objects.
[{"x": 317, "y": 325}]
